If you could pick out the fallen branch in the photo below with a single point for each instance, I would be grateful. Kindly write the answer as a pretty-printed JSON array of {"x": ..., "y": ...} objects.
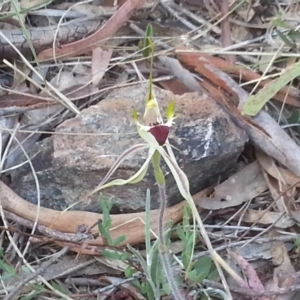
[
  {"x": 119, "y": 18},
  {"x": 68, "y": 32},
  {"x": 130, "y": 225}
]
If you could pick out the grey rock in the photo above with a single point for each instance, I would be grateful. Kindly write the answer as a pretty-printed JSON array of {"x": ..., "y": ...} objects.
[{"x": 72, "y": 162}]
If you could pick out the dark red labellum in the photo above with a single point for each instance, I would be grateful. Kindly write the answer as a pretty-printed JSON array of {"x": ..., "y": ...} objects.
[{"x": 160, "y": 132}]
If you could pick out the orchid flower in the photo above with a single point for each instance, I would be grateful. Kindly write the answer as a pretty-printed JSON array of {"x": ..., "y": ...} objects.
[
  {"x": 154, "y": 132},
  {"x": 155, "y": 135}
]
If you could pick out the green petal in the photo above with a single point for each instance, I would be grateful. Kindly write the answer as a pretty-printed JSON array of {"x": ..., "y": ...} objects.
[
  {"x": 132, "y": 150},
  {"x": 137, "y": 177}
]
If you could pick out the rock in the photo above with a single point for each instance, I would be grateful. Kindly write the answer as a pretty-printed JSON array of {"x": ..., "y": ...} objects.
[{"x": 72, "y": 162}]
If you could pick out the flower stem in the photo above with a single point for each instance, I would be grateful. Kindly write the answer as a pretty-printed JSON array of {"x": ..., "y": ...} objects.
[{"x": 163, "y": 250}]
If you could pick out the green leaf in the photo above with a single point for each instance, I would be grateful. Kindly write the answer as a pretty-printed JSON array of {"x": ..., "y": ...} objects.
[
  {"x": 278, "y": 22},
  {"x": 105, "y": 204},
  {"x": 181, "y": 233},
  {"x": 187, "y": 214},
  {"x": 201, "y": 269},
  {"x": 119, "y": 240},
  {"x": 155, "y": 267},
  {"x": 144, "y": 288},
  {"x": 294, "y": 118},
  {"x": 187, "y": 251},
  {"x": 112, "y": 254},
  {"x": 34, "y": 294},
  {"x": 147, "y": 47},
  {"x": 294, "y": 35},
  {"x": 147, "y": 44},
  {"x": 7, "y": 268},
  {"x": 150, "y": 286},
  {"x": 58, "y": 287},
  {"x": 256, "y": 102},
  {"x": 297, "y": 242},
  {"x": 149, "y": 31},
  {"x": 137, "y": 284},
  {"x": 105, "y": 225},
  {"x": 139, "y": 257},
  {"x": 7, "y": 276},
  {"x": 26, "y": 270},
  {"x": 285, "y": 38},
  {"x": 166, "y": 288},
  {"x": 147, "y": 290},
  {"x": 105, "y": 233},
  {"x": 129, "y": 271},
  {"x": 213, "y": 275},
  {"x": 125, "y": 255}
]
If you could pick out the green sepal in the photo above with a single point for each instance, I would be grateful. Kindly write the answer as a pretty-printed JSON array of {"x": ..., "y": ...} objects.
[
  {"x": 135, "y": 114},
  {"x": 170, "y": 112}
]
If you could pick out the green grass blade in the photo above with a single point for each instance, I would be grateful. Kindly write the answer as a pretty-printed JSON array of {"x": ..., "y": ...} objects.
[
  {"x": 147, "y": 226},
  {"x": 24, "y": 30}
]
